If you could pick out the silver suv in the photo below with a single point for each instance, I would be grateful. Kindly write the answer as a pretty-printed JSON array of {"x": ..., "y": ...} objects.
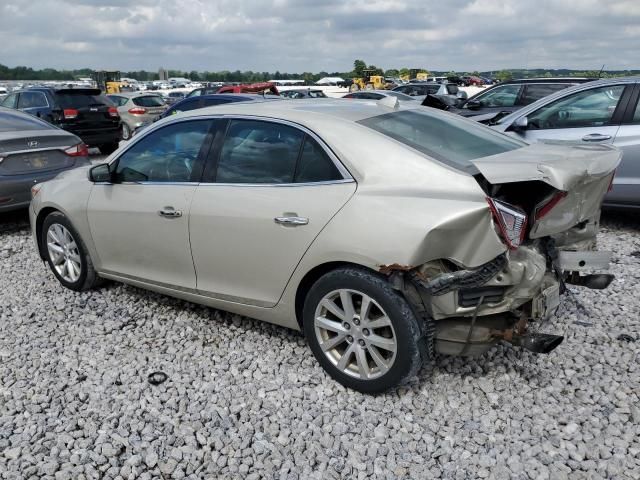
[{"x": 604, "y": 111}]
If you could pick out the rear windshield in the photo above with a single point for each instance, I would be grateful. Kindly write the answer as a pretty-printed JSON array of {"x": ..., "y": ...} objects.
[
  {"x": 150, "y": 101},
  {"x": 449, "y": 139},
  {"x": 10, "y": 122},
  {"x": 79, "y": 100}
]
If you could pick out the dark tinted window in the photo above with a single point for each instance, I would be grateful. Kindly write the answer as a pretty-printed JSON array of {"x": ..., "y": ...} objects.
[
  {"x": 148, "y": 101},
  {"x": 315, "y": 165},
  {"x": 80, "y": 100},
  {"x": 32, "y": 100},
  {"x": 11, "y": 101},
  {"x": 452, "y": 88},
  {"x": 533, "y": 92},
  {"x": 10, "y": 122},
  {"x": 259, "y": 152},
  {"x": 166, "y": 155},
  {"x": 119, "y": 101},
  {"x": 446, "y": 138}
]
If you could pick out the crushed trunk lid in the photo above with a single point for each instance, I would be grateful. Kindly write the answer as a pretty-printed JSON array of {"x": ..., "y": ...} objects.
[{"x": 581, "y": 172}]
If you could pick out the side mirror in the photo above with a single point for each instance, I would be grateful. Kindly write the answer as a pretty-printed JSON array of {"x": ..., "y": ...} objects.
[
  {"x": 520, "y": 124},
  {"x": 100, "y": 174},
  {"x": 473, "y": 104}
]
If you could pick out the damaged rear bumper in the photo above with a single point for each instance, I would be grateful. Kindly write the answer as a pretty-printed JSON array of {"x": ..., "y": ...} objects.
[{"x": 473, "y": 309}]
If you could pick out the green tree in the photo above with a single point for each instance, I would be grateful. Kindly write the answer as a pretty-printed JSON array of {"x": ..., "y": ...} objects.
[
  {"x": 358, "y": 68},
  {"x": 504, "y": 75}
]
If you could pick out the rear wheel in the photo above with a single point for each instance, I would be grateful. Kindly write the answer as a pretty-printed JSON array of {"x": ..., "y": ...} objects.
[
  {"x": 108, "y": 148},
  {"x": 126, "y": 132},
  {"x": 363, "y": 333},
  {"x": 66, "y": 254}
]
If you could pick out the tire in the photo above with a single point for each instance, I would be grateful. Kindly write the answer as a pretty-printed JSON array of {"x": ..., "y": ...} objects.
[
  {"x": 57, "y": 230},
  {"x": 108, "y": 148},
  {"x": 379, "y": 368},
  {"x": 126, "y": 132}
]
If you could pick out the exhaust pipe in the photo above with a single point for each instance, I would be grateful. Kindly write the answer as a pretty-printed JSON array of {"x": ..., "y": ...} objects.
[{"x": 538, "y": 342}]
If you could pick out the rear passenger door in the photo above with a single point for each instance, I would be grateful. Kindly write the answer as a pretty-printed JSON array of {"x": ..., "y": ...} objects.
[
  {"x": 626, "y": 184},
  {"x": 269, "y": 189}
]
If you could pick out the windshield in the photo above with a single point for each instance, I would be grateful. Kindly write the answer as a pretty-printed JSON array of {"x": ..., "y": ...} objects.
[
  {"x": 400, "y": 96},
  {"x": 449, "y": 139}
]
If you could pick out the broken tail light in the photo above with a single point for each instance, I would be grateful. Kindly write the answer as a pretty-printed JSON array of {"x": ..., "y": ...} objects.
[
  {"x": 70, "y": 113},
  {"x": 79, "y": 150},
  {"x": 543, "y": 208},
  {"x": 511, "y": 220}
]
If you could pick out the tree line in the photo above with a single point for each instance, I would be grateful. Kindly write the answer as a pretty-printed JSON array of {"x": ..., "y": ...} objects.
[{"x": 359, "y": 67}]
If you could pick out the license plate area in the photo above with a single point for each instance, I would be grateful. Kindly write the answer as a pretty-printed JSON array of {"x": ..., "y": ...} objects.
[{"x": 545, "y": 304}]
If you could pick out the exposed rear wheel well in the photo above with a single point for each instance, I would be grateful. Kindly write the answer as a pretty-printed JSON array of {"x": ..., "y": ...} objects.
[
  {"x": 39, "y": 221},
  {"x": 312, "y": 277}
]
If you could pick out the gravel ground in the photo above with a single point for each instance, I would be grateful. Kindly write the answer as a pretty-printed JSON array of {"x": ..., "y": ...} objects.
[{"x": 245, "y": 399}]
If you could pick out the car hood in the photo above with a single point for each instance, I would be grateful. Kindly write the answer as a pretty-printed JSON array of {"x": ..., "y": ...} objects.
[{"x": 560, "y": 165}]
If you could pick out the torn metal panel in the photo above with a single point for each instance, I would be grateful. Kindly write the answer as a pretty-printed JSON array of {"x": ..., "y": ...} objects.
[{"x": 562, "y": 168}]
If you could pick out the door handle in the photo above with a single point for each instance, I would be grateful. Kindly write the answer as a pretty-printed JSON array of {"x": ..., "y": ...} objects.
[
  {"x": 596, "y": 137},
  {"x": 170, "y": 212},
  {"x": 291, "y": 221}
]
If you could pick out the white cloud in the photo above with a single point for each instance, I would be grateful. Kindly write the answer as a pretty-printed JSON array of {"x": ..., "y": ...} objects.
[{"x": 307, "y": 35}]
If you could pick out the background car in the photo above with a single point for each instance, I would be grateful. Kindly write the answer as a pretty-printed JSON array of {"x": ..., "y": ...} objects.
[
  {"x": 197, "y": 92},
  {"x": 598, "y": 112},
  {"x": 174, "y": 97},
  {"x": 33, "y": 151},
  {"x": 379, "y": 94},
  {"x": 85, "y": 112},
  {"x": 137, "y": 109},
  {"x": 472, "y": 80},
  {"x": 386, "y": 234},
  {"x": 449, "y": 93},
  {"x": 511, "y": 95},
  {"x": 303, "y": 93},
  {"x": 193, "y": 103}
]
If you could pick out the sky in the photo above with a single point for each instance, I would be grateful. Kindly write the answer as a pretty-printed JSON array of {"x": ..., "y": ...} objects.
[{"x": 320, "y": 35}]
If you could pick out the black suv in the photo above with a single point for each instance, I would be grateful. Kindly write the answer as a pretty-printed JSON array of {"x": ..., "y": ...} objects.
[
  {"x": 512, "y": 95},
  {"x": 86, "y": 112}
]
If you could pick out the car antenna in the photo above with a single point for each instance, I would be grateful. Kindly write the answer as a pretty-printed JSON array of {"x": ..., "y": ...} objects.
[{"x": 600, "y": 72}]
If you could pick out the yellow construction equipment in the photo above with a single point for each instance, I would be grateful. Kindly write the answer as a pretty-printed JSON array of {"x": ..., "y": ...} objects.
[
  {"x": 368, "y": 81},
  {"x": 108, "y": 82}
]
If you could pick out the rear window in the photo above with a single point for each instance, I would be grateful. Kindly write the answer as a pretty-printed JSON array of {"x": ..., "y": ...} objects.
[
  {"x": 17, "y": 123},
  {"x": 80, "y": 100},
  {"x": 149, "y": 101},
  {"x": 449, "y": 139}
]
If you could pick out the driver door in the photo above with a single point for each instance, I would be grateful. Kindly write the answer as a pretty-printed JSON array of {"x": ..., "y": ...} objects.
[
  {"x": 592, "y": 116},
  {"x": 140, "y": 221}
]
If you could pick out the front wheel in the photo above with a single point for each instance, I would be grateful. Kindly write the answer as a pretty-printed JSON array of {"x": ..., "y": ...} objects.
[
  {"x": 363, "y": 333},
  {"x": 66, "y": 254}
]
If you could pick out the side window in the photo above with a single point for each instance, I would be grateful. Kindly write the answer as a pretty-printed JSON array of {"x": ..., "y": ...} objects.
[
  {"x": 315, "y": 165},
  {"x": 536, "y": 91},
  {"x": 636, "y": 114},
  {"x": 166, "y": 155},
  {"x": 32, "y": 100},
  {"x": 500, "y": 96},
  {"x": 11, "y": 101},
  {"x": 588, "y": 108},
  {"x": 259, "y": 152}
]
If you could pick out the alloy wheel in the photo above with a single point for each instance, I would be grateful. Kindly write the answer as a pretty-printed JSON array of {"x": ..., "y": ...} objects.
[
  {"x": 64, "y": 252},
  {"x": 355, "y": 334}
]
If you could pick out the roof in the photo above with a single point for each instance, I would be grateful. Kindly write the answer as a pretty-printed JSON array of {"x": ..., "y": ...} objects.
[{"x": 135, "y": 94}]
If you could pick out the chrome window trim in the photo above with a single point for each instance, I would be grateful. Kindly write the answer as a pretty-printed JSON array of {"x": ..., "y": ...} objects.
[
  {"x": 346, "y": 175},
  {"x": 278, "y": 185}
]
